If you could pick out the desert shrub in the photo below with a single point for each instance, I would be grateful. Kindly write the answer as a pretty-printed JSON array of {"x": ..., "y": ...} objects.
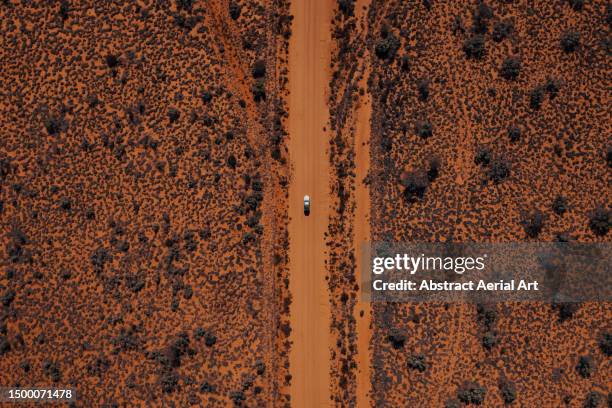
[
  {"x": 536, "y": 97},
  {"x": 210, "y": 339},
  {"x": 415, "y": 184},
  {"x": 207, "y": 387},
  {"x": 168, "y": 381},
  {"x": 53, "y": 125},
  {"x": 486, "y": 314},
  {"x": 65, "y": 204},
  {"x": 173, "y": 115},
  {"x": 499, "y": 170},
  {"x": 64, "y": 10},
  {"x": 347, "y": 7},
  {"x": 501, "y": 30},
  {"x": 510, "y": 69},
  {"x": 508, "y": 391},
  {"x": 52, "y": 370},
  {"x": 5, "y": 168},
  {"x": 186, "y": 22},
  {"x": 259, "y": 90},
  {"x": 184, "y": 4},
  {"x": 397, "y": 339},
  {"x": 237, "y": 397},
  {"x": 234, "y": 10},
  {"x": 434, "y": 169},
  {"x": 585, "y": 367},
  {"x": 552, "y": 88},
  {"x": 405, "y": 63},
  {"x": 474, "y": 47},
  {"x": 260, "y": 367},
  {"x": 112, "y": 61},
  {"x": 533, "y": 224},
  {"x": 259, "y": 69},
  {"x": 489, "y": 340},
  {"x": 592, "y": 400},
  {"x": 482, "y": 157},
  {"x": 386, "y": 142},
  {"x": 206, "y": 96},
  {"x": 566, "y": 310},
  {"x": 99, "y": 258},
  {"x": 424, "y": 129},
  {"x": 576, "y": 5},
  {"x": 126, "y": 340},
  {"x": 514, "y": 133},
  {"x": 387, "y": 47},
  {"x": 471, "y": 393},
  {"x": 452, "y": 403},
  {"x": 559, "y": 205},
  {"x": 5, "y": 346},
  {"x": 231, "y": 161},
  {"x": 570, "y": 41},
  {"x": 423, "y": 89},
  {"x": 417, "y": 362},
  {"x": 600, "y": 221},
  {"x": 482, "y": 15},
  {"x": 134, "y": 283},
  {"x": 605, "y": 344}
]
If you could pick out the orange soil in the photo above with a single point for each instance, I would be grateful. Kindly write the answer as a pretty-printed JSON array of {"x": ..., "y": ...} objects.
[
  {"x": 362, "y": 225},
  {"x": 308, "y": 54},
  {"x": 362, "y": 235}
]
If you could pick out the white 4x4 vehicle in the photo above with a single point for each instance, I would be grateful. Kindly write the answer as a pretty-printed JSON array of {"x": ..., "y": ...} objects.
[{"x": 306, "y": 205}]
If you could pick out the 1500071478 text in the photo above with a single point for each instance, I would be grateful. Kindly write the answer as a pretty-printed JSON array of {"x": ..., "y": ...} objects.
[{"x": 8, "y": 394}]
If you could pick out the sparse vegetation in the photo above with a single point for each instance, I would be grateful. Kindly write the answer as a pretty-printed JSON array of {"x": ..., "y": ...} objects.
[
  {"x": 423, "y": 89},
  {"x": 600, "y": 221},
  {"x": 514, "y": 133},
  {"x": 397, "y": 339},
  {"x": 483, "y": 157},
  {"x": 112, "y": 61},
  {"x": 499, "y": 170},
  {"x": 576, "y": 5},
  {"x": 471, "y": 393},
  {"x": 508, "y": 391},
  {"x": 424, "y": 129},
  {"x": 605, "y": 344},
  {"x": 259, "y": 69},
  {"x": 533, "y": 224},
  {"x": 387, "y": 46},
  {"x": 417, "y": 362},
  {"x": 560, "y": 205},
  {"x": 585, "y": 367},
  {"x": 234, "y": 10},
  {"x": 592, "y": 400},
  {"x": 474, "y": 47},
  {"x": 502, "y": 30},
  {"x": 510, "y": 69},
  {"x": 536, "y": 97},
  {"x": 570, "y": 41},
  {"x": 415, "y": 184}
]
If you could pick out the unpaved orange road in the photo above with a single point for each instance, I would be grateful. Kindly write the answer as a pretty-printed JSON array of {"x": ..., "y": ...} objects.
[{"x": 309, "y": 55}]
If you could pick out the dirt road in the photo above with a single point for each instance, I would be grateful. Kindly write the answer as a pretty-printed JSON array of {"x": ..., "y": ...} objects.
[{"x": 309, "y": 55}]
